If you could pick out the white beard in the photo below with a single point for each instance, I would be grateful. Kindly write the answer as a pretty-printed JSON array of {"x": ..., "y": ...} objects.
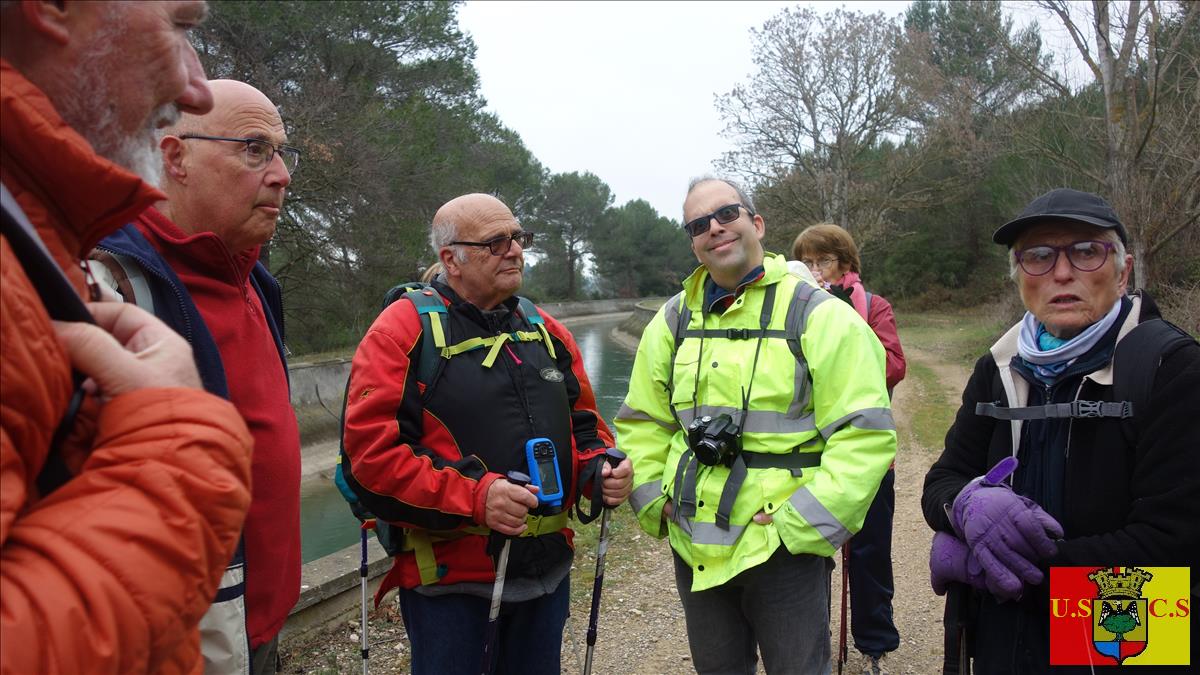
[{"x": 91, "y": 109}]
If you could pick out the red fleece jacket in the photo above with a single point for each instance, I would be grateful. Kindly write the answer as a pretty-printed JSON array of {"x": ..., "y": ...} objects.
[{"x": 219, "y": 284}]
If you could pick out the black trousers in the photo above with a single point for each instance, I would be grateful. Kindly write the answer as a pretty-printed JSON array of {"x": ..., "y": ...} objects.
[{"x": 871, "y": 585}]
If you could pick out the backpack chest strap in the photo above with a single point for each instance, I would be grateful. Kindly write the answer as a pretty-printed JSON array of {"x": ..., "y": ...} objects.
[
  {"x": 493, "y": 343},
  {"x": 1080, "y": 409}
]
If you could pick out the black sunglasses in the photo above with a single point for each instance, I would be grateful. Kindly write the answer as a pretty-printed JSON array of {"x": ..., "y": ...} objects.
[
  {"x": 500, "y": 245},
  {"x": 724, "y": 215}
]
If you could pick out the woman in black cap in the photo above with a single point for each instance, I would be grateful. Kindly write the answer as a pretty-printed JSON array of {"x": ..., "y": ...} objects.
[{"x": 1090, "y": 447}]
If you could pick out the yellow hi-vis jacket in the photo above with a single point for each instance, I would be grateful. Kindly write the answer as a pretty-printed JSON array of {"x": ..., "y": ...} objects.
[{"x": 817, "y": 440}]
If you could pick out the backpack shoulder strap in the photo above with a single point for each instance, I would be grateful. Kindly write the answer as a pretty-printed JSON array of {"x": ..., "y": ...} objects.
[
  {"x": 124, "y": 275},
  {"x": 869, "y": 296},
  {"x": 58, "y": 296},
  {"x": 62, "y": 303},
  {"x": 431, "y": 309},
  {"x": 1136, "y": 361},
  {"x": 535, "y": 320}
]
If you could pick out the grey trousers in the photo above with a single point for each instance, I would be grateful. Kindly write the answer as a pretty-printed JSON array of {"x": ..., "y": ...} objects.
[
  {"x": 264, "y": 659},
  {"x": 780, "y": 608}
]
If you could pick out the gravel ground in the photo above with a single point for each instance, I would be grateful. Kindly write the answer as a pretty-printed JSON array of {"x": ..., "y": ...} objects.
[{"x": 641, "y": 626}]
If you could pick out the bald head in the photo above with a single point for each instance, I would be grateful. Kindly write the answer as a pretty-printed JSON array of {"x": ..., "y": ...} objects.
[
  {"x": 231, "y": 99},
  {"x": 469, "y": 209}
]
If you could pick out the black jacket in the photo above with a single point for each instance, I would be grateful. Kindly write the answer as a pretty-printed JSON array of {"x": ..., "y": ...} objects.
[{"x": 1119, "y": 504}]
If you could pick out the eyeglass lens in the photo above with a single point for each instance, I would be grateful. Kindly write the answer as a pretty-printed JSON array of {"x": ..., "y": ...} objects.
[
  {"x": 724, "y": 215},
  {"x": 813, "y": 264},
  {"x": 1085, "y": 256},
  {"x": 260, "y": 153},
  {"x": 501, "y": 245}
]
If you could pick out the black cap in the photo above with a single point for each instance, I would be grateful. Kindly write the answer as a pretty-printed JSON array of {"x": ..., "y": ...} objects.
[{"x": 1062, "y": 204}]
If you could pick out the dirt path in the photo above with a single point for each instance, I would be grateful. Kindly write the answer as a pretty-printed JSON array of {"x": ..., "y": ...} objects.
[{"x": 641, "y": 625}]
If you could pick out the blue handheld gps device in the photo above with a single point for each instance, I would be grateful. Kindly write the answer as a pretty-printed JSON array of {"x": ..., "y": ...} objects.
[{"x": 543, "y": 469}]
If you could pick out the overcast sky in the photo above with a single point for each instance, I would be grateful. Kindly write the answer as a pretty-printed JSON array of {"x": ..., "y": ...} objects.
[{"x": 622, "y": 89}]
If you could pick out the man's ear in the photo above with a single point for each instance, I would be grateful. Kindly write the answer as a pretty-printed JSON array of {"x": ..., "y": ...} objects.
[
  {"x": 173, "y": 153},
  {"x": 446, "y": 255},
  {"x": 51, "y": 20}
]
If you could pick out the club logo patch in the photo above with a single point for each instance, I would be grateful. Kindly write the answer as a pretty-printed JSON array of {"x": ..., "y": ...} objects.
[
  {"x": 1109, "y": 615},
  {"x": 551, "y": 374}
]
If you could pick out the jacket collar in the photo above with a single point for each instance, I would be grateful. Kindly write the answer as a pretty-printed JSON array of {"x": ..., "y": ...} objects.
[
  {"x": 493, "y": 320},
  {"x": 203, "y": 252},
  {"x": 46, "y": 161},
  {"x": 774, "y": 269}
]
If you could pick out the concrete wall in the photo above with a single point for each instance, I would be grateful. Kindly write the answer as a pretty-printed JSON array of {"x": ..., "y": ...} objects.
[
  {"x": 565, "y": 310},
  {"x": 331, "y": 588},
  {"x": 314, "y": 383}
]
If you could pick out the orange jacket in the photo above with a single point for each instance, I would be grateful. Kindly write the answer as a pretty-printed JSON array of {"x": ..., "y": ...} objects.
[{"x": 111, "y": 572}]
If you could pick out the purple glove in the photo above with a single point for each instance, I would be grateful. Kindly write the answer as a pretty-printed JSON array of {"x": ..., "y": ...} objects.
[
  {"x": 951, "y": 561},
  {"x": 1005, "y": 532},
  {"x": 948, "y": 562}
]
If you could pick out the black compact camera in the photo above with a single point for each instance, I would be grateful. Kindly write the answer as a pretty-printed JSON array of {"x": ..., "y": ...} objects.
[{"x": 715, "y": 440}]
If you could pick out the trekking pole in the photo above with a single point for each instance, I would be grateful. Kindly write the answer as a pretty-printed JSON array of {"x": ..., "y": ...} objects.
[
  {"x": 613, "y": 457},
  {"x": 493, "y": 627},
  {"x": 842, "y": 629},
  {"x": 368, "y": 524}
]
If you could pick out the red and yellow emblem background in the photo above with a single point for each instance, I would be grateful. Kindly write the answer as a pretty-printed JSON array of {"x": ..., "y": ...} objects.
[{"x": 1164, "y": 633}]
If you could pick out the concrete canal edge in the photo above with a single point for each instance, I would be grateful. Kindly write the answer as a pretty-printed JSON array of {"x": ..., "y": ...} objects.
[{"x": 330, "y": 587}]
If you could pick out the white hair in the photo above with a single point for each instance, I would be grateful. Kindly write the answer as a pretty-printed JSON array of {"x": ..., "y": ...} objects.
[
  {"x": 440, "y": 236},
  {"x": 1106, "y": 234}
]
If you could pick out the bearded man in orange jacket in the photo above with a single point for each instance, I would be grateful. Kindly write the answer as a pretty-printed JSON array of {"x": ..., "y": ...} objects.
[{"x": 110, "y": 571}]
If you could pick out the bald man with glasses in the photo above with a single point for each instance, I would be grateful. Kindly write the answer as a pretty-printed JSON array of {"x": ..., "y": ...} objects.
[
  {"x": 193, "y": 261},
  {"x": 428, "y": 449}
]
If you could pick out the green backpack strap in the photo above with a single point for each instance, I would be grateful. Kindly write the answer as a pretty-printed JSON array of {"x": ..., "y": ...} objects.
[
  {"x": 431, "y": 309},
  {"x": 530, "y": 312}
]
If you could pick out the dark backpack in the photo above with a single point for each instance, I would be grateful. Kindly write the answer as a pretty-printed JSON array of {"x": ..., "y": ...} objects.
[{"x": 433, "y": 351}]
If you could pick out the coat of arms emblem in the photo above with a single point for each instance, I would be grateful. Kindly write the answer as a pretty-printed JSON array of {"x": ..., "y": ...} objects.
[{"x": 1119, "y": 614}]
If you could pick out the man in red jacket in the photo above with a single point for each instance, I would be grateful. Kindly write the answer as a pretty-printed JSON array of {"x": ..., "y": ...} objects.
[
  {"x": 429, "y": 451},
  {"x": 226, "y": 174},
  {"x": 108, "y": 567}
]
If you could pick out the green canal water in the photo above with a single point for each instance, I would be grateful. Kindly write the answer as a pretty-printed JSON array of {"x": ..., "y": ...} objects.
[{"x": 326, "y": 525}]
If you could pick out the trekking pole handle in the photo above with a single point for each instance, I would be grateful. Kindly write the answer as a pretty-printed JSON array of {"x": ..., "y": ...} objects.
[{"x": 614, "y": 457}]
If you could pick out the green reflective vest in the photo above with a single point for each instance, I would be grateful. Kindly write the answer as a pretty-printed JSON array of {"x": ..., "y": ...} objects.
[{"x": 817, "y": 440}]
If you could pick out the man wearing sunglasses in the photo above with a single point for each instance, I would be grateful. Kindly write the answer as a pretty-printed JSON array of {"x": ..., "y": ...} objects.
[
  {"x": 759, "y": 427},
  {"x": 193, "y": 261},
  {"x": 1104, "y": 436},
  {"x": 428, "y": 449}
]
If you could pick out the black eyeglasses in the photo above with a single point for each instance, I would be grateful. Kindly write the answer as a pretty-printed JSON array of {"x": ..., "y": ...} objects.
[
  {"x": 500, "y": 245},
  {"x": 259, "y": 153},
  {"x": 1085, "y": 256},
  {"x": 724, "y": 215}
]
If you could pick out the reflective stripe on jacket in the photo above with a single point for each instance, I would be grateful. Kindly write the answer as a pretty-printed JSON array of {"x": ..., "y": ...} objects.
[{"x": 829, "y": 399}]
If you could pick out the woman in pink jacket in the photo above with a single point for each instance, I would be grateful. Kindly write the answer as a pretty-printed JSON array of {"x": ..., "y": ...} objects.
[{"x": 829, "y": 252}]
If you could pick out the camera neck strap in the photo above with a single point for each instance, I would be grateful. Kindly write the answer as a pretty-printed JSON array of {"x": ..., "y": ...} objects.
[{"x": 685, "y": 474}]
